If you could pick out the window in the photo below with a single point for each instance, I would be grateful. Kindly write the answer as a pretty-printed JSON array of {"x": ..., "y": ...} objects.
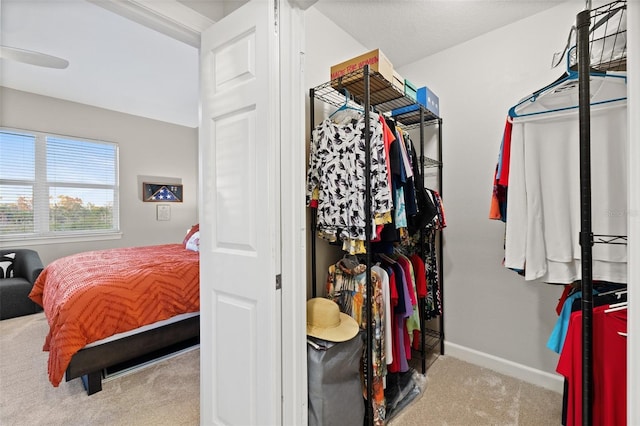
[{"x": 56, "y": 186}]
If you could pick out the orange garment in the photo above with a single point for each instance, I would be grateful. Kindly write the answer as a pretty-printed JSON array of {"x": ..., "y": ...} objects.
[{"x": 388, "y": 137}]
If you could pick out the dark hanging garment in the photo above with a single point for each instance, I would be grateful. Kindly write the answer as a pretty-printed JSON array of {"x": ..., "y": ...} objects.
[{"x": 427, "y": 210}]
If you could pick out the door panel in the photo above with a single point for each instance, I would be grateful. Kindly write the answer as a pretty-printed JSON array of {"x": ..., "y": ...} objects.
[
  {"x": 239, "y": 219},
  {"x": 235, "y": 204}
]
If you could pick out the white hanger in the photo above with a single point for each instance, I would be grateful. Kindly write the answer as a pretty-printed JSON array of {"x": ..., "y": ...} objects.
[{"x": 616, "y": 307}]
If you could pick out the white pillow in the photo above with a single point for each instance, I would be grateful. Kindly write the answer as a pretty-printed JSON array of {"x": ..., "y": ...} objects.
[
  {"x": 6, "y": 265},
  {"x": 193, "y": 243}
]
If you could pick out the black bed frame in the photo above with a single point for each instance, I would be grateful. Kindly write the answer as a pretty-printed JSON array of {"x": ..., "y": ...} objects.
[{"x": 91, "y": 363}]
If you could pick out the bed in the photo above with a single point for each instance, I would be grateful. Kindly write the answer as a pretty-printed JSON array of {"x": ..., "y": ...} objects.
[{"x": 110, "y": 306}]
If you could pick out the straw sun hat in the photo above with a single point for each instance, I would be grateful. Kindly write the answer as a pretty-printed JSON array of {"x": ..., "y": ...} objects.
[{"x": 325, "y": 321}]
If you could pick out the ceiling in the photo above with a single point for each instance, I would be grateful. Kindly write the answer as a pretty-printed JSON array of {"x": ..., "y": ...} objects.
[
  {"x": 409, "y": 30},
  {"x": 117, "y": 64}
]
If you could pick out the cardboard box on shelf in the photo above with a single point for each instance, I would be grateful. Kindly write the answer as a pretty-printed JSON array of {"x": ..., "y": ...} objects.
[
  {"x": 398, "y": 81},
  {"x": 376, "y": 60}
]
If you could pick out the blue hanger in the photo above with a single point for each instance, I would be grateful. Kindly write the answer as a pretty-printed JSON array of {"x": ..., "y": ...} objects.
[
  {"x": 568, "y": 79},
  {"x": 346, "y": 105}
]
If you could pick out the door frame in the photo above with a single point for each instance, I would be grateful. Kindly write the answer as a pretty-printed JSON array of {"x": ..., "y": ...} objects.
[
  {"x": 293, "y": 217},
  {"x": 181, "y": 23}
]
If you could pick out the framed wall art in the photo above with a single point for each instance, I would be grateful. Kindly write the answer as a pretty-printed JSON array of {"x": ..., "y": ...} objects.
[{"x": 162, "y": 192}]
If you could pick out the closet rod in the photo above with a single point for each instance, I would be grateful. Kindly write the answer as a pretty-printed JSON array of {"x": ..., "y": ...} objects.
[{"x": 583, "y": 21}]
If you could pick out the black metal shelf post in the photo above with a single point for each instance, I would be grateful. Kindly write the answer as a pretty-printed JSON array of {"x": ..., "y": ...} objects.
[
  {"x": 441, "y": 241},
  {"x": 583, "y": 21},
  {"x": 586, "y": 22}
]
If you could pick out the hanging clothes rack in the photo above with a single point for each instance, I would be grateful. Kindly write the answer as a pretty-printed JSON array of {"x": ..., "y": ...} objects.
[{"x": 370, "y": 91}]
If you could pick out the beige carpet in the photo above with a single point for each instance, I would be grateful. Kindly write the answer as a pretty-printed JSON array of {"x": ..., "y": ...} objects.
[
  {"x": 462, "y": 394},
  {"x": 167, "y": 393}
]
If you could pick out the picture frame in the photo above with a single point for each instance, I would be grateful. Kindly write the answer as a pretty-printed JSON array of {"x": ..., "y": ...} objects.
[{"x": 162, "y": 192}]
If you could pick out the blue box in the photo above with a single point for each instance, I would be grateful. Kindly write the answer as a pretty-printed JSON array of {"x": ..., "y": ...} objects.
[
  {"x": 429, "y": 100},
  {"x": 426, "y": 98}
]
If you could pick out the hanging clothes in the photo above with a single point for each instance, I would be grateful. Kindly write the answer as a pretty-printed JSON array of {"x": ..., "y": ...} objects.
[
  {"x": 412, "y": 325},
  {"x": 346, "y": 285},
  {"x": 543, "y": 207},
  {"x": 426, "y": 209},
  {"x": 387, "y": 301},
  {"x": 609, "y": 367},
  {"x": 336, "y": 180},
  {"x": 421, "y": 289},
  {"x": 498, "y": 210},
  {"x": 413, "y": 206},
  {"x": 388, "y": 137},
  {"x": 433, "y": 301}
]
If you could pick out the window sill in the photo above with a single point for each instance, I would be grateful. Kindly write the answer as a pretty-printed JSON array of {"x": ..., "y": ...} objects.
[{"x": 23, "y": 241}]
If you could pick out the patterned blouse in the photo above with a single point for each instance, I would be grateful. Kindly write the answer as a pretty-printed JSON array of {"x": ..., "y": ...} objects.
[
  {"x": 336, "y": 176},
  {"x": 346, "y": 285}
]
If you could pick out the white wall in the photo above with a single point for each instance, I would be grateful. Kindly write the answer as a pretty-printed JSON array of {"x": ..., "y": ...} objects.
[
  {"x": 147, "y": 148},
  {"x": 489, "y": 308},
  {"x": 326, "y": 45}
]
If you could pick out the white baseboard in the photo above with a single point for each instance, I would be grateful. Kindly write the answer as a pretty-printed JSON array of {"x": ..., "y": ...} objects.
[{"x": 534, "y": 376}]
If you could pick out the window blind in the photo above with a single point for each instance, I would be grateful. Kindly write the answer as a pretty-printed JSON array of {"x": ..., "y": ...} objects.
[{"x": 54, "y": 185}]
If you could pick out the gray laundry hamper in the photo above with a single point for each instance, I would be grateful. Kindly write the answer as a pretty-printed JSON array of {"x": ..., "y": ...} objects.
[{"x": 335, "y": 387}]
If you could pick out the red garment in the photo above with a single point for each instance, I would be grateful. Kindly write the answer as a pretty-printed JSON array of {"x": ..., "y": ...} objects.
[
  {"x": 609, "y": 368},
  {"x": 421, "y": 275},
  {"x": 503, "y": 179},
  {"x": 408, "y": 276},
  {"x": 563, "y": 298},
  {"x": 416, "y": 339},
  {"x": 442, "y": 220},
  {"x": 377, "y": 237},
  {"x": 494, "y": 210}
]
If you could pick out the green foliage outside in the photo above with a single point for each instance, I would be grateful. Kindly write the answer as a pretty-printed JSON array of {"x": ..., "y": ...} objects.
[{"x": 66, "y": 214}]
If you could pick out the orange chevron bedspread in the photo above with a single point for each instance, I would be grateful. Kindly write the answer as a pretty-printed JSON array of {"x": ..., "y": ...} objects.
[{"x": 93, "y": 295}]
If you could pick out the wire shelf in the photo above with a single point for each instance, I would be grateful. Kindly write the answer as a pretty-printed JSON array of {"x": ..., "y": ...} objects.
[
  {"x": 607, "y": 38},
  {"x": 431, "y": 163},
  {"x": 383, "y": 96},
  {"x": 610, "y": 239}
]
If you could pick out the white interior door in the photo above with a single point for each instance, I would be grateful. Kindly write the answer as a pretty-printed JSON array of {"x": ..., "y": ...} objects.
[{"x": 239, "y": 219}]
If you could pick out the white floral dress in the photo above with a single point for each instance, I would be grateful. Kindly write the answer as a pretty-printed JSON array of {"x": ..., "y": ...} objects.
[{"x": 336, "y": 177}]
